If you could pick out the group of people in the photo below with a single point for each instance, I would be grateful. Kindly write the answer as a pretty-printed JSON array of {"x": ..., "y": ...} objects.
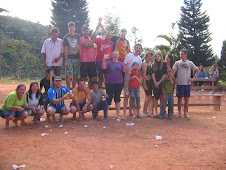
[{"x": 113, "y": 65}]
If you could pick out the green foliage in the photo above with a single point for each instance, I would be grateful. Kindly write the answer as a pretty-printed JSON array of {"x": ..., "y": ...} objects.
[
  {"x": 136, "y": 36},
  {"x": 112, "y": 23},
  {"x": 193, "y": 28},
  {"x": 222, "y": 62},
  {"x": 65, "y": 11},
  {"x": 20, "y": 50}
]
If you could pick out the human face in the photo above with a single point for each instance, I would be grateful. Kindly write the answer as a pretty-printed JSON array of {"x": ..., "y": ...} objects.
[
  {"x": 95, "y": 87},
  {"x": 137, "y": 67},
  {"x": 57, "y": 83},
  {"x": 54, "y": 36},
  {"x": 138, "y": 49},
  {"x": 115, "y": 56},
  {"x": 201, "y": 67},
  {"x": 108, "y": 36},
  {"x": 34, "y": 88},
  {"x": 71, "y": 30},
  {"x": 21, "y": 91},
  {"x": 167, "y": 59},
  {"x": 81, "y": 85},
  {"x": 148, "y": 58},
  {"x": 123, "y": 35},
  {"x": 51, "y": 73},
  {"x": 158, "y": 57},
  {"x": 86, "y": 33},
  {"x": 213, "y": 67},
  {"x": 183, "y": 56}
]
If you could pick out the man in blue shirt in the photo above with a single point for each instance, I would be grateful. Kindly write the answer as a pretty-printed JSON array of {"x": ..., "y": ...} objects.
[{"x": 57, "y": 94}]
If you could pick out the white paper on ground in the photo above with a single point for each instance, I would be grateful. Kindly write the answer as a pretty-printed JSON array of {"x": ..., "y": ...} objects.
[
  {"x": 66, "y": 133},
  {"x": 44, "y": 134},
  {"x": 214, "y": 117},
  {"x": 158, "y": 137},
  {"x": 129, "y": 124},
  {"x": 17, "y": 167},
  {"x": 42, "y": 119},
  {"x": 61, "y": 126}
]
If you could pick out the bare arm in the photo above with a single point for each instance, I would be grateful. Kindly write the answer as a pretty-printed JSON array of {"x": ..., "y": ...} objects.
[
  {"x": 105, "y": 95},
  {"x": 89, "y": 44},
  {"x": 44, "y": 60},
  {"x": 103, "y": 29},
  {"x": 196, "y": 75}
]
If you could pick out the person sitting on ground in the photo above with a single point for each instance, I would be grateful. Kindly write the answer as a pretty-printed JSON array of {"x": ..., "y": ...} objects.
[
  {"x": 57, "y": 95},
  {"x": 47, "y": 82},
  {"x": 97, "y": 100},
  {"x": 14, "y": 106},
  {"x": 214, "y": 73},
  {"x": 81, "y": 101},
  {"x": 168, "y": 90},
  {"x": 134, "y": 89},
  {"x": 202, "y": 74},
  {"x": 35, "y": 99}
]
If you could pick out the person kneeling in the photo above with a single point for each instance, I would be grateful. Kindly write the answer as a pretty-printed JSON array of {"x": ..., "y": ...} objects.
[
  {"x": 57, "y": 94},
  {"x": 81, "y": 93},
  {"x": 96, "y": 100}
]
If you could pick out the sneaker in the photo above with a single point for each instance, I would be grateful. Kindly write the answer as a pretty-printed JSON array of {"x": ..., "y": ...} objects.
[
  {"x": 156, "y": 116},
  {"x": 134, "y": 117},
  {"x": 139, "y": 116},
  {"x": 160, "y": 117},
  {"x": 145, "y": 114}
]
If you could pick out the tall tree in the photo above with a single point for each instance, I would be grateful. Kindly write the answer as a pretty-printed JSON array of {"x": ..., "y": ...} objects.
[
  {"x": 65, "y": 11},
  {"x": 112, "y": 23},
  {"x": 193, "y": 28},
  {"x": 222, "y": 62},
  {"x": 136, "y": 36}
]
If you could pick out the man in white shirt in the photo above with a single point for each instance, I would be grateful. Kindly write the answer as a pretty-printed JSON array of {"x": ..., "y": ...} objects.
[
  {"x": 52, "y": 51},
  {"x": 183, "y": 68}
]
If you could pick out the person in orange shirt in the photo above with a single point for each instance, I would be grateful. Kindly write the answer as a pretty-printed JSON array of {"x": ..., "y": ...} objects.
[{"x": 81, "y": 101}]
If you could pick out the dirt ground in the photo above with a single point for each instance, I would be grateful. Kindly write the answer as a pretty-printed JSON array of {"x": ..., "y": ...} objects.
[{"x": 195, "y": 143}]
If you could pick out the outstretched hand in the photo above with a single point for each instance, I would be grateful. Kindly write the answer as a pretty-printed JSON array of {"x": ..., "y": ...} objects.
[
  {"x": 106, "y": 56},
  {"x": 129, "y": 61}
]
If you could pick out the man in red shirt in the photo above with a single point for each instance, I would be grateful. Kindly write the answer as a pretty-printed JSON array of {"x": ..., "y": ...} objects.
[{"x": 104, "y": 46}]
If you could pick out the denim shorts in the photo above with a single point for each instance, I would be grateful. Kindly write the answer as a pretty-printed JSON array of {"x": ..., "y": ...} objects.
[
  {"x": 183, "y": 90},
  {"x": 7, "y": 113},
  {"x": 58, "y": 109},
  {"x": 30, "y": 113}
]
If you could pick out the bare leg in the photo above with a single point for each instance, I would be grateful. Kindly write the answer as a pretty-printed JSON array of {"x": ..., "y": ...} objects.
[
  {"x": 73, "y": 110},
  {"x": 100, "y": 80},
  {"x": 51, "y": 112},
  {"x": 68, "y": 79},
  {"x": 74, "y": 81},
  {"x": 117, "y": 106},
  {"x": 64, "y": 111},
  {"x": 134, "y": 113},
  {"x": 7, "y": 121},
  {"x": 179, "y": 106},
  {"x": 125, "y": 103},
  {"x": 146, "y": 103},
  {"x": 130, "y": 107},
  {"x": 156, "y": 108},
  {"x": 186, "y": 101}
]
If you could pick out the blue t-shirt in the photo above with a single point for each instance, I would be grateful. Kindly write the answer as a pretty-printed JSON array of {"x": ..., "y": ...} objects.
[{"x": 54, "y": 94}]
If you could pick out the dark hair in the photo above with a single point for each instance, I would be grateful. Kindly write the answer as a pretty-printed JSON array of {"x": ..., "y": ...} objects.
[
  {"x": 71, "y": 24},
  {"x": 30, "y": 91},
  {"x": 137, "y": 45},
  {"x": 94, "y": 82},
  {"x": 171, "y": 59},
  {"x": 19, "y": 86},
  {"x": 149, "y": 52},
  {"x": 81, "y": 79},
  {"x": 184, "y": 51},
  {"x": 85, "y": 28},
  {"x": 54, "y": 30}
]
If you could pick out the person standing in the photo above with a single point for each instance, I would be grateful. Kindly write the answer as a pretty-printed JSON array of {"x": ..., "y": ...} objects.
[
  {"x": 135, "y": 58},
  {"x": 183, "y": 68},
  {"x": 52, "y": 51},
  {"x": 71, "y": 53}
]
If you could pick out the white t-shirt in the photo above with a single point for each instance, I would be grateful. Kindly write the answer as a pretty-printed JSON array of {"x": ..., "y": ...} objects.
[
  {"x": 134, "y": 59},
  {"x": 184, "y": 71}
]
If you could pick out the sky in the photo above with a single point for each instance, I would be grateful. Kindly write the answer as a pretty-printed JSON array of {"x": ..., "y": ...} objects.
[{"x": 151, "y": 17}]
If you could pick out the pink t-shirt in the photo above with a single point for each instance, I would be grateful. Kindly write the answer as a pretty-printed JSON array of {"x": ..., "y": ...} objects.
[
  {"x": 86, "y": 54},
  {"x": 103, "y": 47}
]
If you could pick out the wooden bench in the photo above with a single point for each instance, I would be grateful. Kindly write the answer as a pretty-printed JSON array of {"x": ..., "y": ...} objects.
[{"x": 206, "y": 80}]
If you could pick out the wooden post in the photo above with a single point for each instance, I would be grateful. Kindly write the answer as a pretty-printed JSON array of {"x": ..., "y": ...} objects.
[
  {"x": 212, "y": 87},
  {"x": 216, "y": 100}
]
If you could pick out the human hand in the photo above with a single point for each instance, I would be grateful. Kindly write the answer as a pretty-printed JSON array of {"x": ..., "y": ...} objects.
[
  {"x": 129, "y": 61},
  {"x": 33, "y": 110},
  {"x": 57, "y": 59},
  {"x": 84, "y": 109},
  {"x": 44, "y": 65},
  {"x": 40, "y": 111},
  {"x": 148, "y": 77},
  {"x": 25, "y": 105},
  {"x": 156, "y": 85},
  {"x": 94, "y": 105},
  {"x": 106, "y": 57},
  {"x": 145, "y": 87},
  {"x": 67, "y": 65},
  {"x": 20, "y": 109}
]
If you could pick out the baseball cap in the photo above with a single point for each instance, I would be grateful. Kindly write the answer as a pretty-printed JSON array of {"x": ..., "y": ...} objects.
[
  {"x": 49, "y": 69},
  {"x": 123, "y": 30},
  {"x": 57, "y": 78}
]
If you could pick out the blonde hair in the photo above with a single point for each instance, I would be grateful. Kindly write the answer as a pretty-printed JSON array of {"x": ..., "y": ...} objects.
[{"x": 155, "y": 64}]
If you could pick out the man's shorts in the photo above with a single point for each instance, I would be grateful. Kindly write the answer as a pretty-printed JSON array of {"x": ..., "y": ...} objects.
[
  {"x": 57, "y": 70},
  {"x": 183, "y": 90},
  {"x": 99, "y": 68},
  {"x": 81, "y": 105},
  {"x": 58, "y": 109},
  {"x": 88, "y": 68},
  {"x": 126, "y": 84},
  {"x": 7, "y": 113},
  {"x": 73, "y": 69}
]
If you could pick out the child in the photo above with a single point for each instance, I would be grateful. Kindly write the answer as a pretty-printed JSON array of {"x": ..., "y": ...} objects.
[
  {"x": 134, "y": 90},
  {"x": 168, "y": 89},
  {"x": 96, "y": 100}
]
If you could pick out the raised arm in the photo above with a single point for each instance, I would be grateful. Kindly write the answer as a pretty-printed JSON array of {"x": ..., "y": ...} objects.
[{"x": 103, "y": 29}]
